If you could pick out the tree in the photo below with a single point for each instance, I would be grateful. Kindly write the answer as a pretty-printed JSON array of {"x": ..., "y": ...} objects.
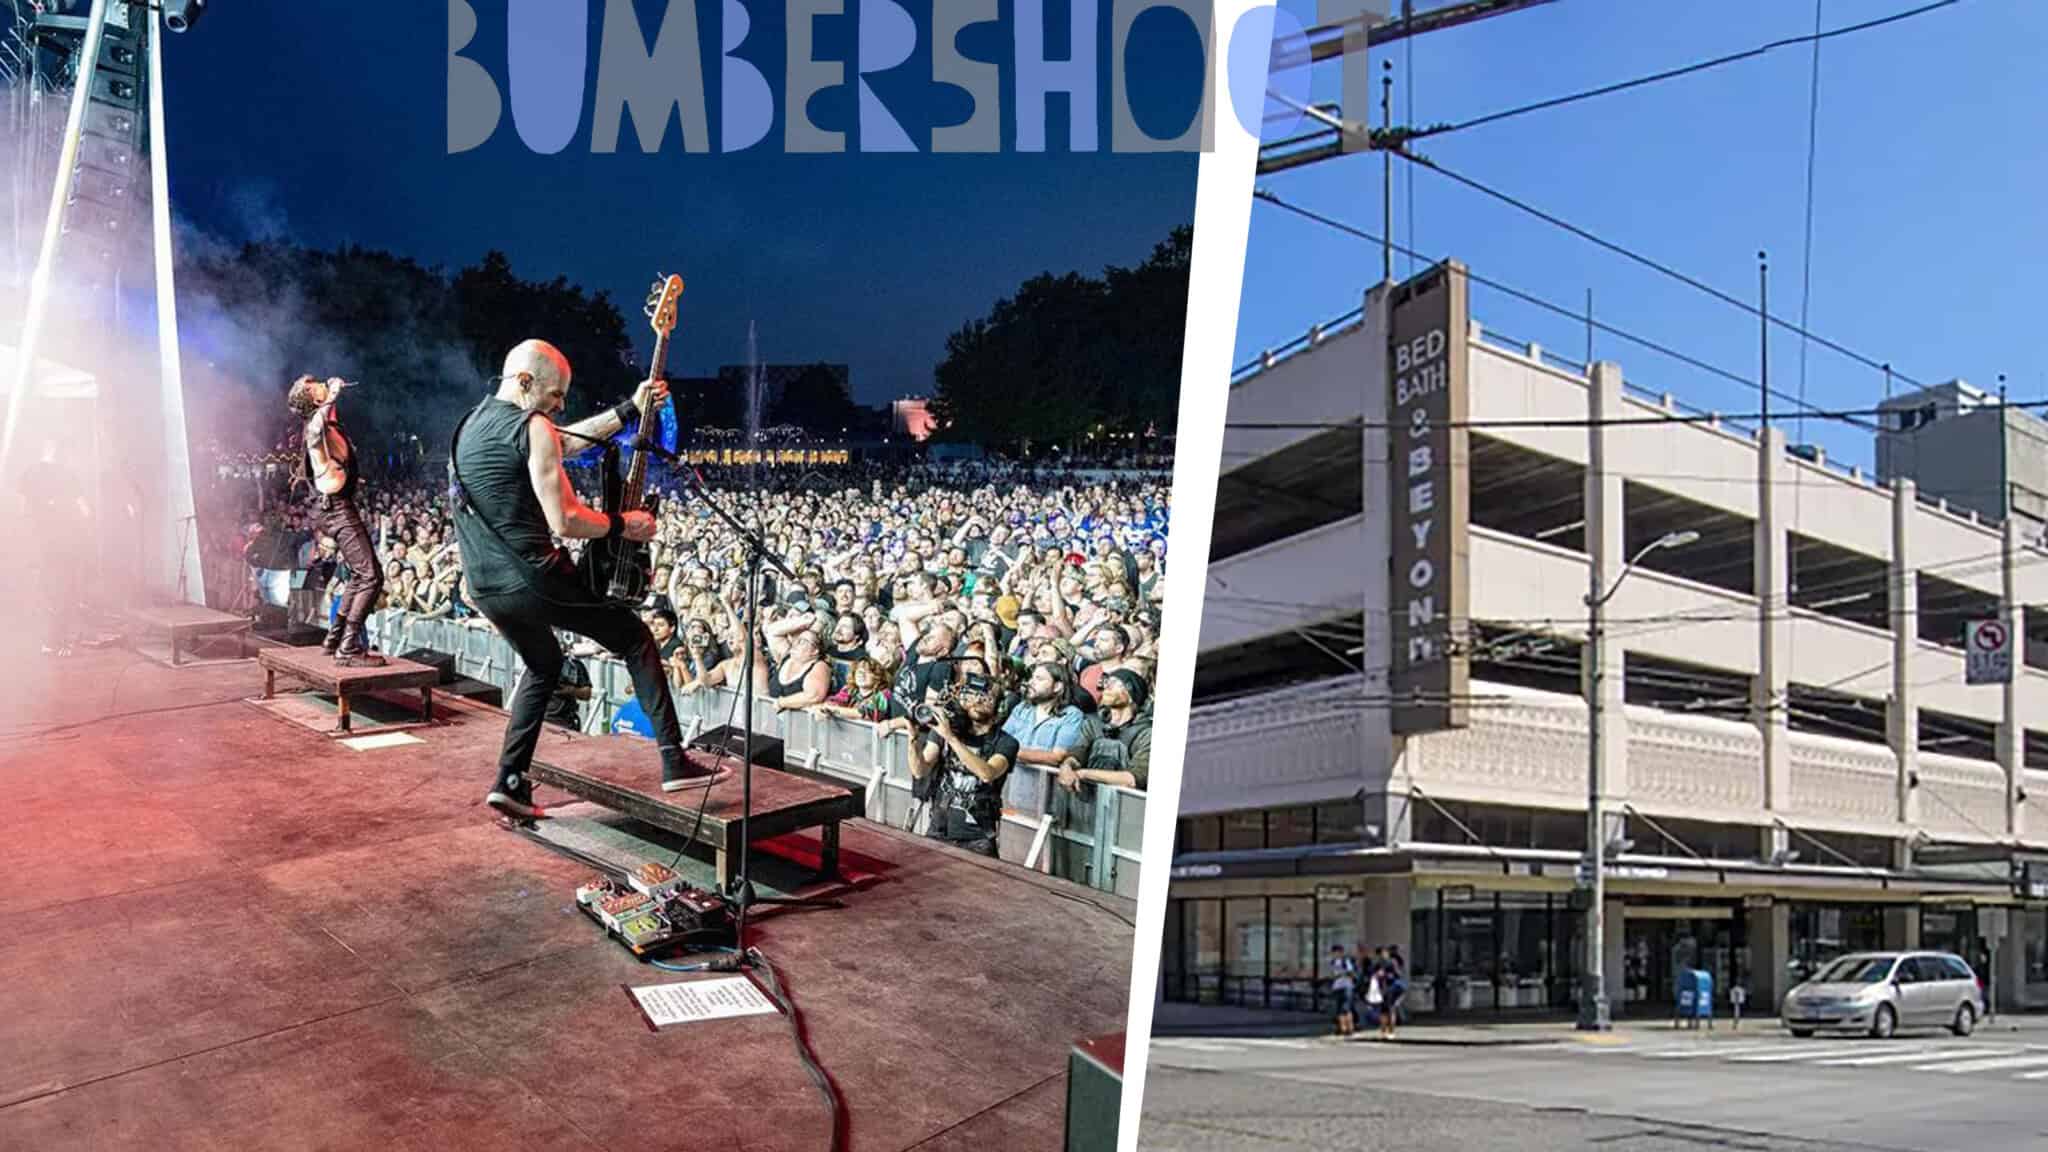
[
  {"x": 1070, "y": 356},
  {"x": 425, "y": 344},
  {"x": 818, "y": 398}
]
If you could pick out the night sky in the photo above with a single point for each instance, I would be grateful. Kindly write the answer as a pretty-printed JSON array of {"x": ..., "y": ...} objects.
[{"x": 325, "y": 123}]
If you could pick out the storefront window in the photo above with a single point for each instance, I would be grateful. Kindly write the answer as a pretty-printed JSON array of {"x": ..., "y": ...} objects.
[
  {"x": 1337, "y": 822},
  {"x": 1525, "y": 960},
  {"x": 2034, "y": 932},
  {"x": 1948, "y": 929},
  {"x": 1244, "y": 960},
  {"x": 1290, "y": 827},
  {"x": 1244, "y": 830},
  {"x": 1471, "y": 953},
  {"x": 1335, "y": 924},
  {"x": 1293, "y": 939},
  {"x": 1207, "y": 942},
  {"x": 1425, "y": 925},
  {"x": 1173, "y": 951},
  {"x": 1821, "y": 932},
  {"x": 1200, "y": 834}
]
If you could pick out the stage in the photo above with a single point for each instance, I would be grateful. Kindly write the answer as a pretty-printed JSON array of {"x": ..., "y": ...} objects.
[{"x": 225, "y": 930}]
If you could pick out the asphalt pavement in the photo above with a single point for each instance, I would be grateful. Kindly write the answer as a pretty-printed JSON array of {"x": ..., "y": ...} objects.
[{"x": 1639, "y": 1090}]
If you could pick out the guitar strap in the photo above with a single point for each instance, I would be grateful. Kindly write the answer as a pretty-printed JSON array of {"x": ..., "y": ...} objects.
[{"x": 460, "y": 506}]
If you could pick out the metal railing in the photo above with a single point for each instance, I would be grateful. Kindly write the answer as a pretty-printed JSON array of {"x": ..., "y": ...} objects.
[{"x": 1091, "y": 838}]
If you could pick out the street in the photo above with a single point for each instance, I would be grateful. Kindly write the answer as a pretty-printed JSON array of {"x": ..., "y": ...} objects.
[{"x": 1639, "y": 1090}]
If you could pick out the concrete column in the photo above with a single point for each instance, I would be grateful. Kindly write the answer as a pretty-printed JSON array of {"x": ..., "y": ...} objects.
[
  {"x": 1384, "y": 914},
  {"x": 2012, "y": 752},
  {"x": 1606, "y": 552},
  {"x": 1769, "y": 932},
  {"x": 1902, "y": 714},
  {"x": 1902, "y": 927},
  {"x": 1389, "y": 812},
  {"x": 1774, "y": 626},
  {"x": 2012, "y": 962},
  {"x": 1615, "y": 976},
  {"x": 1387, "y": 767}
]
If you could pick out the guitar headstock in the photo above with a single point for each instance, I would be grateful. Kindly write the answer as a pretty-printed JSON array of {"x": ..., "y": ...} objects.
[{"x": 661, "y": 304}]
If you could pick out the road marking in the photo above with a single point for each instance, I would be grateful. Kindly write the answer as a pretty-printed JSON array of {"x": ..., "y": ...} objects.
[
  {"x": 1190, "y": 1045},
  {"x": 2032, "y": 1076},
  {"x": 2000, "y": 1063},
  {"x": 1800, "y": 1052},
  {"x": 1714, "y": 1050},
  {"x": 1952, "y": 1052}
]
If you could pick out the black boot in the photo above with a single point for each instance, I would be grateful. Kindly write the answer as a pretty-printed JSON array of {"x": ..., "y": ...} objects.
[
  {"x": 678, "y": 772},
  {"x": 332, "y": 643},
  {"x": 354, "y": 651}
]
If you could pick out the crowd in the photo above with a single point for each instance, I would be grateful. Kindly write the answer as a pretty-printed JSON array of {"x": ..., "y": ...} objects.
[
  {"x": 1375, "y": 983},
  {"x": 915, "y": 585}
]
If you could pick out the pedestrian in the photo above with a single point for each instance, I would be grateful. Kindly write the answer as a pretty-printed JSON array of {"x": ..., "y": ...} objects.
[
  {"x": 1397, "y": 987},
  {"x": 1344, "y": 984},
  {"x": 1376, "y": 990}
]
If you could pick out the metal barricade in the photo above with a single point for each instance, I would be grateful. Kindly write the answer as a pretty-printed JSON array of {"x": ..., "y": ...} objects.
[{"x": 1094, "y": 836}]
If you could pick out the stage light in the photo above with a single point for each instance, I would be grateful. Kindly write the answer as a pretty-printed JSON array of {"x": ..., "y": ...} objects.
[{"x": 180, "y": 15}]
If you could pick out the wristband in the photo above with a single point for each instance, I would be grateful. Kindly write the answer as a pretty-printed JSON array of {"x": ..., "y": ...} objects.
[
  {"x": 615, "y": 526},
  {"x": 625, "y": 410}
]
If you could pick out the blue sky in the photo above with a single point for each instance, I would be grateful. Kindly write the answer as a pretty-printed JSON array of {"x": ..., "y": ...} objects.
[
  {"x": 1929, "y": 225},
  {"x": 324, "y": 122}
]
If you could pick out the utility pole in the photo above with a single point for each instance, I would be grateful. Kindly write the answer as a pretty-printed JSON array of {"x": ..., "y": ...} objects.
[
  {"x": 1329, "y": 41},
  {"x": 1387, "y": 176},
  {"x": 1763, "y": 314}
]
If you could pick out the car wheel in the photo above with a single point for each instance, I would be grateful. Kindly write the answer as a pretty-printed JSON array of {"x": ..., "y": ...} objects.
[
  {"x": 1965, "y": 1021},
  {"x": 1802, "y": 1033},
  {"x": 1884, "y": 1023}
]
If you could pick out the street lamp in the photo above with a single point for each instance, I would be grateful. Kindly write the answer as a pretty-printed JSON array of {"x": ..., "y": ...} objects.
[{"x": 1593, "y": 1009}]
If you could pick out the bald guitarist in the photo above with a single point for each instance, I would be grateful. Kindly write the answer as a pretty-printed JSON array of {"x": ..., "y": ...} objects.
[
  {"x": 512, "y": 500},
  {"x": 333, "y": 468}
]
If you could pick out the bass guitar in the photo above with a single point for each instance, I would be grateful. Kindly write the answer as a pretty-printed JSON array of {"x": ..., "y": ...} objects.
[{"x": 621, "y": 569}]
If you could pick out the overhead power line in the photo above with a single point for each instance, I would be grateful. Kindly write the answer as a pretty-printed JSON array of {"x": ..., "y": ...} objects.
[
  {"x": 1673, "y": 73},
  {"x": 1654, "y": 265},
  {"x": 1579, "y": 421},
  {"x": 1574, "y": 315}
]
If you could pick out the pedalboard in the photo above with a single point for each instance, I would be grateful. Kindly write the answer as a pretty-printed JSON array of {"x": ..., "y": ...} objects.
[{"x": 654, "y": 911}]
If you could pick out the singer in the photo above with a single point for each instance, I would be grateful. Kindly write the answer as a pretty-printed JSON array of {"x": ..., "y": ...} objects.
[
  {"x": 335, "y": 476},
  {"x": 511, "y": 498}
]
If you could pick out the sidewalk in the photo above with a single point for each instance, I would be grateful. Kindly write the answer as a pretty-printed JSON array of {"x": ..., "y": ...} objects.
[{"x": 1175, "y": 1019}]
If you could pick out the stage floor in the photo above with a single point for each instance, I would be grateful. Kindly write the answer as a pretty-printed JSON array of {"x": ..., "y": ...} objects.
[{"x": 225, "y": 931}]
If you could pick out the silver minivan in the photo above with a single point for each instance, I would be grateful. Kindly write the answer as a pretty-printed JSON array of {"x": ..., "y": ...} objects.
[{"x": 1881, "y": 992}]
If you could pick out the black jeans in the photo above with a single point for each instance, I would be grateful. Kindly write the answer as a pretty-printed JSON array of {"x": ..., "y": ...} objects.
[
  {"x": 528, "y": 619},
  {"x": 340, "y": 519},
  {"x": 981, "y": 846}
]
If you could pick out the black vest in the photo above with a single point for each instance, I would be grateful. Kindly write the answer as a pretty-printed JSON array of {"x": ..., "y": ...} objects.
[{"x": 503, "y": 527}]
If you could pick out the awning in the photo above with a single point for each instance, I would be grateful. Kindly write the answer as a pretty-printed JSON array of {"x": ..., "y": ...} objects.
[{"x": 1629, "y": 870}]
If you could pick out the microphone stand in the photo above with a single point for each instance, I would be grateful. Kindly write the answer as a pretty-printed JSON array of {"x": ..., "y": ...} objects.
[{"x": 742, "y": 896}]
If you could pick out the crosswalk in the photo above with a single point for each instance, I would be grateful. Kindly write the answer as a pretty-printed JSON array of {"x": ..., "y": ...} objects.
[
  {"x": 1238, "y": 1045},
  {"x": 2017, "y": 1061}
]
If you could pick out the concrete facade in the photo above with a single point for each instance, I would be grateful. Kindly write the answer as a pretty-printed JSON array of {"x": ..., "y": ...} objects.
[{"x": 1790, "y": 790}]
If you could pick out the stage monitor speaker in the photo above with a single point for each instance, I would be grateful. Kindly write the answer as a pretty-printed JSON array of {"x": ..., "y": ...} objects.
[
  {"x": 442, "y": 662},
  {"x": 1095, "y": 1091},
  {"x": 487, "y": 694},
  {"x": 733, "y": 741}
]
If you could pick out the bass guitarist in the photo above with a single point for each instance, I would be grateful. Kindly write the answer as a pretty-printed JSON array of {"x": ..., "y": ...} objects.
[{"x": 511, "y": 499}]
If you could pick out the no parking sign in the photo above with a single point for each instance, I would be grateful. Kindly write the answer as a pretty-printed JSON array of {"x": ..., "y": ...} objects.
[{"x": 1987, "y": 648}]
